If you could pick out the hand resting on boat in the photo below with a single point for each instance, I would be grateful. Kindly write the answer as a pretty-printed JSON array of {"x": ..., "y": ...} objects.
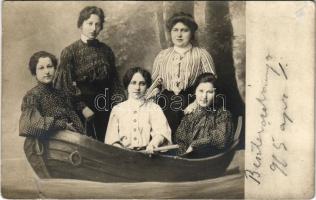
[
  {"x": 154, "y": 143},
  {"x": 190, "y": 149},
  {"x": 69, "y": 126}
]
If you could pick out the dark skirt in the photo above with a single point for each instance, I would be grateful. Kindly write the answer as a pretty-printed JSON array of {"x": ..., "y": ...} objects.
[
  {"x": 173, "y": 106},
  {"x": 96, "y": 127}
]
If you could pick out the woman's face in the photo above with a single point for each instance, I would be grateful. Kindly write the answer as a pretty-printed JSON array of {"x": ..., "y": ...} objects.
[
  {"x": 45, "y": 70},
  {"x": 137, "y": 87},
  {"x": 91, "y": 27},
  {"x": 181, "y": 35},
  {"x": 205, "y": 93}
]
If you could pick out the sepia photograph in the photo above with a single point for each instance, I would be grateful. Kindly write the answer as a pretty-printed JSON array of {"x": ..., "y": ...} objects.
[{"x": 131, "y": 99}]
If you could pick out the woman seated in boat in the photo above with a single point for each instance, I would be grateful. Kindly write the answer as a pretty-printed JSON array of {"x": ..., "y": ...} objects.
[
  {"x": 45, "y": 109},
  {"x": 137, "y": 123},
  {"x": 208, "y": 129}
]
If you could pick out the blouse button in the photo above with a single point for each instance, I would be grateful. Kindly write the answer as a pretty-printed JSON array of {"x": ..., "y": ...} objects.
[
  {"x": 135, "y": 112},
  {"x": 135, "y": 138},
  {"x": 134, "y": 120},
  {"x": 134, "y": 129}
]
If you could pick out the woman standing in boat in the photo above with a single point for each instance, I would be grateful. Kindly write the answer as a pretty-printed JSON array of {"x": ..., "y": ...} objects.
[
  {"x": 45, "y": 109},
  {"x": 178, "y": 67},
  {"x": 137, "y": 123},
  {"x": 87, "y": 72},
  {"x": 209, "y": 128}
]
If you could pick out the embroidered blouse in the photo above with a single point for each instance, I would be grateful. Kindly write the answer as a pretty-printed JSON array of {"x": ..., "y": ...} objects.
[
  {"x": 179, "y": 70},
  {"x": 87, "y": 69},
  {"x": 134, "y": 124}
]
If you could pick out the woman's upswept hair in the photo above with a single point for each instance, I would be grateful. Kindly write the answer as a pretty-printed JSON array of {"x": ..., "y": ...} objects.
[
  {"x": 187, "y": 20},
  {"x": 130, "y": 73},
  {"x": 205, "y": 78},
  {"x": 89, "y": 10},
  {"x": 36, "y": 56}
]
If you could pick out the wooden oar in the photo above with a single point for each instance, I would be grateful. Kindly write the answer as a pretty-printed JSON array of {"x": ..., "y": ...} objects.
[
  {"x": 167, "y": 148},
  {"x": 163, "y": 148}
]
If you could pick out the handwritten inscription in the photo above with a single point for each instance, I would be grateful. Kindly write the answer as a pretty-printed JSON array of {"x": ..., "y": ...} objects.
[
  {"x": 277, "y": 161},
  {"x": 285, "y": 117}
]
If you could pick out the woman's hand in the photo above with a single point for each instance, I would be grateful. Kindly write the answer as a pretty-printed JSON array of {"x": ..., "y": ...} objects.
[
  {"x": 117, "y": 145},
  {"x": 87, "y": 113},
  {"x": 190, "y": 149},
  {"x": 150, "y": 148},
  {"x": 191, "y": 108},
  {"x": 69, "y": 126}
]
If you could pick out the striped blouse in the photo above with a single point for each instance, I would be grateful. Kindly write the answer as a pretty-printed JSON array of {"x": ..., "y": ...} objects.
[{"x": 179, "y": 71}]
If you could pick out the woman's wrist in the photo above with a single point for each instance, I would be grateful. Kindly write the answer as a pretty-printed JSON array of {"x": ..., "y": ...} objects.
[
  {"x": 156, "y": 141},
  {"x": 61, "y": 124}
]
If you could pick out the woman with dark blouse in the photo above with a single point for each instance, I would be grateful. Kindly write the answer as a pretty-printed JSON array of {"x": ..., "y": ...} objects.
[
  {"x": 87, "y": 73},
  {"x": 45, "y": 109},
  {"x": 209, "y": 128}
]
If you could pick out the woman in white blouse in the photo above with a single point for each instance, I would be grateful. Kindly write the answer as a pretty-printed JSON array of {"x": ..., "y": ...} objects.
[
  {"x": 178, "y": 66},
  {"x": 137, "y": 123}
]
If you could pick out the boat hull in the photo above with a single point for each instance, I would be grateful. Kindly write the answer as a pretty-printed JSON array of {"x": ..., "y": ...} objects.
[{"x": 68, "y": 155}]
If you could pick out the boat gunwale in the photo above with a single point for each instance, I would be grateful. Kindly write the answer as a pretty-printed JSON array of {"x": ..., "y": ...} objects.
[{"x": 64, "y": 137}]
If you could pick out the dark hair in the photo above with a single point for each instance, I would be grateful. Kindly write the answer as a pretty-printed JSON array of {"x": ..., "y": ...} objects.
[
  {"x": 205, "y": 78},
  {"x": 130, "y": 73},
  {"x": 89, "y": 10},
  {"x": 186, "y": 19},
  {"x": 36, "y": 56}
]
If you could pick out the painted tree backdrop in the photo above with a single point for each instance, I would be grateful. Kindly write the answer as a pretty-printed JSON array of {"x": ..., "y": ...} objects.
[{"x": 136, "y": 33}]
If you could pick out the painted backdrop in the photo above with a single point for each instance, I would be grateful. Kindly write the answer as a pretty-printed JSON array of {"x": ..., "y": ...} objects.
[{"x": 136, "y": 33}]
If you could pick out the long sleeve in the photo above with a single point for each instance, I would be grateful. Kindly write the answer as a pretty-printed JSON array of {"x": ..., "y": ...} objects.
[
  {"x": 220, "y": 136},
  {"x": 73, "y": 116},
  {"x": 160, "y": 127},
  {"x": 156, "y": 67},
  {"x": 32, "y": 123},
  {"x": 184, "y": 131},
  {"x": 64, "y": 76},
  {"x": 207, "y": 62},
  {"x": 112, "y": 132}
]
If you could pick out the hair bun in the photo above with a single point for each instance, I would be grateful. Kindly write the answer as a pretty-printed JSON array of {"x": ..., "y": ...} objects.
[{"x": 183, "y": 17}]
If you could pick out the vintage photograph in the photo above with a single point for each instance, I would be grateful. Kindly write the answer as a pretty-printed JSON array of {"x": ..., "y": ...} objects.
[{"x": 133, "y": 99}]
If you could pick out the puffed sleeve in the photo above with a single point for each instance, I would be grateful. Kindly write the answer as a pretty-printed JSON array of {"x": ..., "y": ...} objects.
[
  {"x": 112, "y": 132},
  {"x": 32, "y": 123},
  {"x": 64, "y": 76},
  {"x": 207, "y": 62},
  {"x": 156, "y": 66},
  {"x": 221, "y": 135},
  {"x": 160, "y": 128}
]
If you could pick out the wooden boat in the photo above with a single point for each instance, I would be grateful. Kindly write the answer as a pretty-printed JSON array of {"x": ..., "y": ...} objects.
[{"x": 68, "y": 155}]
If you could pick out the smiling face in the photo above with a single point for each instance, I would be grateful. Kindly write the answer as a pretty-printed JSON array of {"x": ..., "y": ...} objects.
[
  {"x": 45, "y": 70},
  {"x": 91, "y": 27},
  {"x": 205, "y": 93},
  {"x": 137, "y": 86},
  {"x": 181, "y": 35}
]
